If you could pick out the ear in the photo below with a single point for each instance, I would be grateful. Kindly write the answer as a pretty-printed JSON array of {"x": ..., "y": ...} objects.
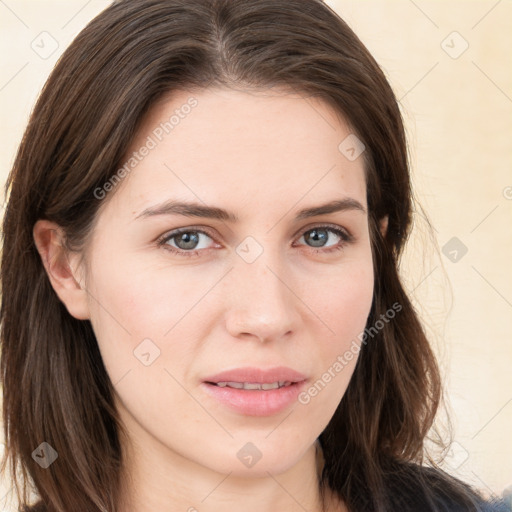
[
  {"x": 61, "y": 267},
  {"x": 384, "y": 225}
]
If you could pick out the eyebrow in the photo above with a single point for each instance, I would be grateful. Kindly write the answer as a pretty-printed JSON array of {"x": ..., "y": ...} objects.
[{"x": 193, "y": 209}]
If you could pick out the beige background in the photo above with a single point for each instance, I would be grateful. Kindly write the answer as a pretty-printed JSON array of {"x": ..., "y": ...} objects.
[{"x": 457, "y": 105}]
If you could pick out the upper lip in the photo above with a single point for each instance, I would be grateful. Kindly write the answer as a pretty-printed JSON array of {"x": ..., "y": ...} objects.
[{"x": 257, "y": 375}]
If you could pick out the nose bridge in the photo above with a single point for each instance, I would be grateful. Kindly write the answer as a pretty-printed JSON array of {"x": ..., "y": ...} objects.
[{"x": 262, "y": 303}]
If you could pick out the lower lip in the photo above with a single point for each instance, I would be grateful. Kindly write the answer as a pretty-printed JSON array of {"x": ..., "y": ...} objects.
[{"x": 252, "y": 402}]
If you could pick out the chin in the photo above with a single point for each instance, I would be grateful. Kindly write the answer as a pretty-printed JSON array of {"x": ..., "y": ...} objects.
[{"x": 257, "y": 458}]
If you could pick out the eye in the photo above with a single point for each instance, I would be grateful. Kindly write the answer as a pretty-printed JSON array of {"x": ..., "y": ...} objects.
[
  {"x": 185, "y": 242},
  {"x": 319, "y": 237}
]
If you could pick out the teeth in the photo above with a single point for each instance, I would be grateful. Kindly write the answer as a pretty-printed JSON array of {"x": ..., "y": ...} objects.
[
  {"x": 248, "y": 385},
  {"x": 254, "y": 385},
  {"x": 237, "y": 385}
]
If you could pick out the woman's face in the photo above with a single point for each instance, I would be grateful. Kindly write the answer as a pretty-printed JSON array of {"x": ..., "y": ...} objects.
[{"x": 254, "y": 290}]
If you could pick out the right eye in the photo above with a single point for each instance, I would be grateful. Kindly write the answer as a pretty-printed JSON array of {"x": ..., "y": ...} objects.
[{"x": 185, "y": 241}]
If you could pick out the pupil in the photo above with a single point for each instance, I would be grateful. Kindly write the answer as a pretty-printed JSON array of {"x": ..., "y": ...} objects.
[
  {"x": 318, "y": 235},
  {"x": 188, "y": 241}
]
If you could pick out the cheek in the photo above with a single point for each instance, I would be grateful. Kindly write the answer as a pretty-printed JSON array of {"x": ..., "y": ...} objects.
[
  {"x": 343, "y": 307},
  {"x": 140, "y": 308},
  {"x": 351, "y": 300},
  {"x": 344, "y": 300}
]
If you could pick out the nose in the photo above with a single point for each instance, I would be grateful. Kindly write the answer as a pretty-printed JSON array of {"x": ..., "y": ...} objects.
[{"x": 261, "y": 301}]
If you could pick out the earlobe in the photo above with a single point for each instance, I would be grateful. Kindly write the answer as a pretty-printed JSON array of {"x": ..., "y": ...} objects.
[
  {"x": 383, "y": 223},
  {"x": 60, "y": 268}
]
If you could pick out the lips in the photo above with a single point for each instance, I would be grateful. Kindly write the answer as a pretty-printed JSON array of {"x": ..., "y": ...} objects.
[{"x": 255, "y": 391}]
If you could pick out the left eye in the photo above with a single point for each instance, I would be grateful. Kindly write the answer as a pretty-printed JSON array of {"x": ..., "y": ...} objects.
[{"x": 320, "y": 235}]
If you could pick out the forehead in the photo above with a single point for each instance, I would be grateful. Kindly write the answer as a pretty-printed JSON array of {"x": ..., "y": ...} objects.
[{"x": 267, "y": 147}]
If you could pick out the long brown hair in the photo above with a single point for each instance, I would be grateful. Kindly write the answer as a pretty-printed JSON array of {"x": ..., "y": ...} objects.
[{"x": 55, "y": 386}]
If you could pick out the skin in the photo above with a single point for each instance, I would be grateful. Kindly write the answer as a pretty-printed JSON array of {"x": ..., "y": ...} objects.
[{"x": 262, "y": 156}]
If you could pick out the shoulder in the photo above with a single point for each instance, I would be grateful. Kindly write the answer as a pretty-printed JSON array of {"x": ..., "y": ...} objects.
[
  {"x": 496, "y": 505},
  {"x": 427, "y": 489}
]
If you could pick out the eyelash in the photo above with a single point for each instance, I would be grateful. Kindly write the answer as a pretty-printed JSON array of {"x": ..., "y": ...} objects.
[{"x": 346, "y": 238}]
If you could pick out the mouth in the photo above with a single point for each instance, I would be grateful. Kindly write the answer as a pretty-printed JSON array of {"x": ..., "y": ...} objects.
[
  {"x": 251, "y": 386},
  {"x": 255, "y": 391}
]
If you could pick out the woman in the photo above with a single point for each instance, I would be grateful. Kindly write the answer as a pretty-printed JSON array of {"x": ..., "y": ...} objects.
[{"x": 201, "y": 308}]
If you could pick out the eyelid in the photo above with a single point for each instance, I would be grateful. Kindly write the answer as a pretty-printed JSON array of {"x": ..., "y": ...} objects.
[
  {"x": 348, "y": 236},
  {"x": 175, "y": 232}
]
